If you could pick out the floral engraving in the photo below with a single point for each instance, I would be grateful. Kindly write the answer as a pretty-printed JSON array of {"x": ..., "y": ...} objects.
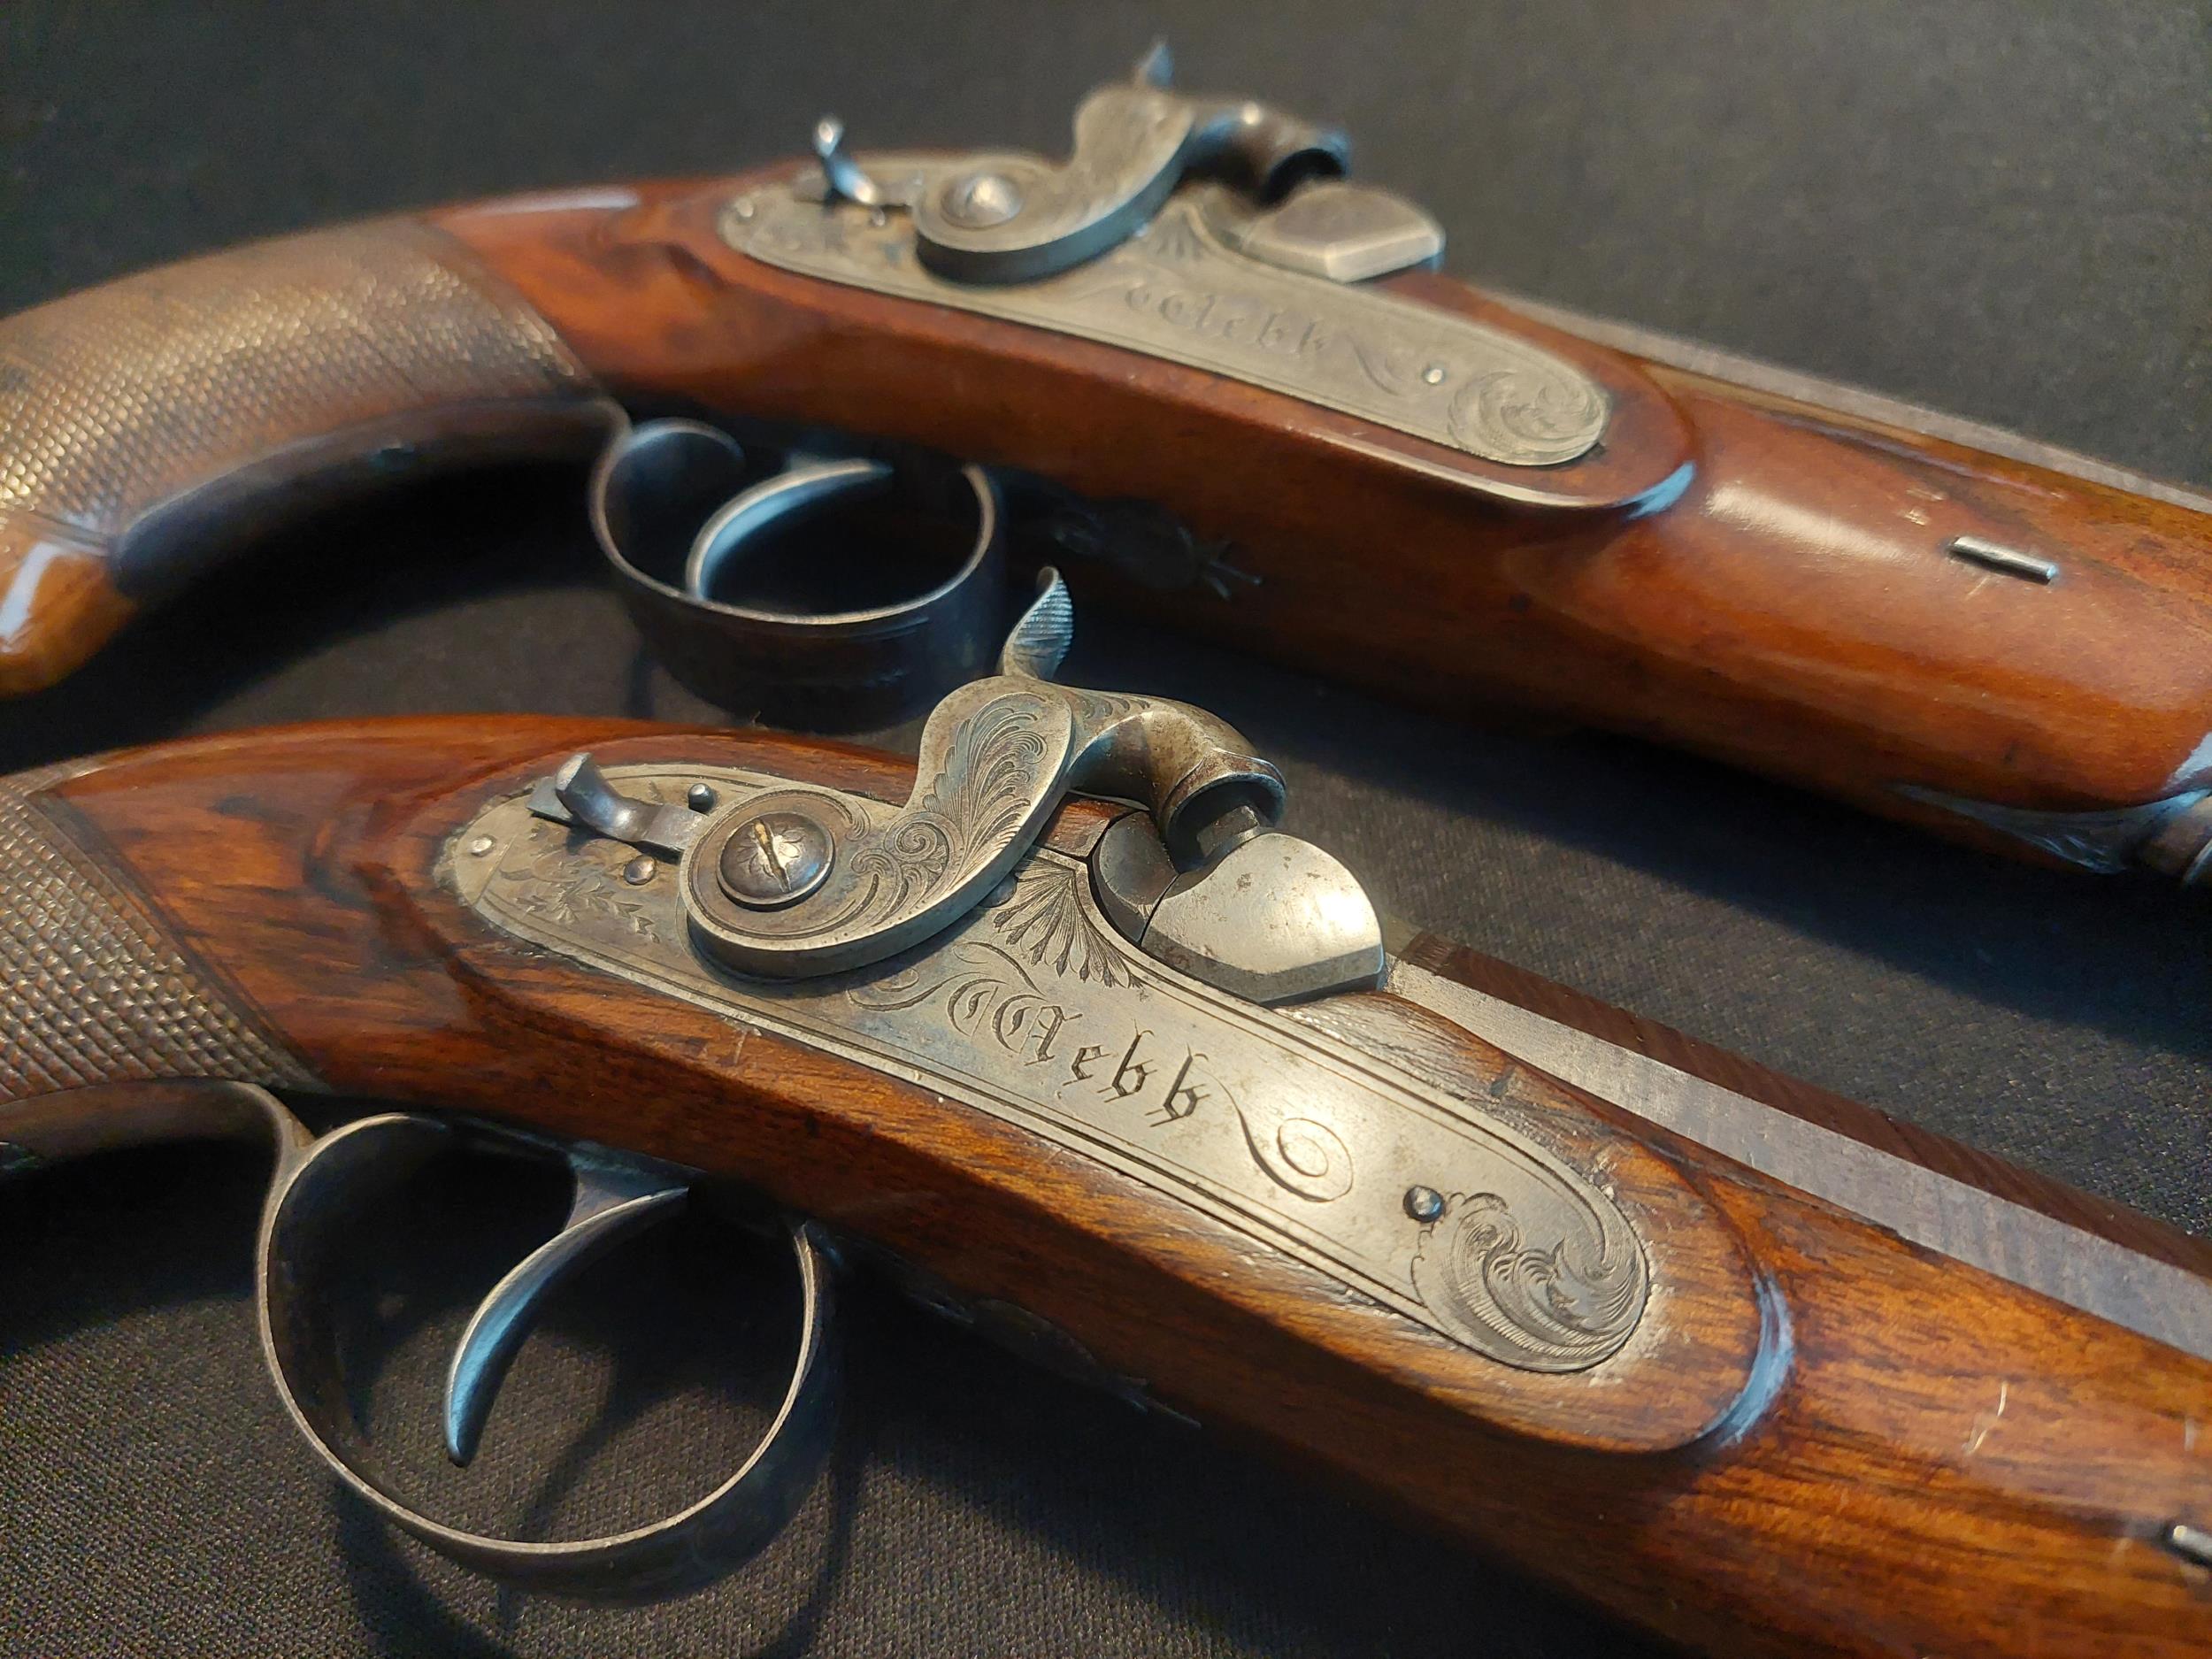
[
  {"x": 972, "y": 810},
  {"x": 566, "y": 889},
  {"x": 985, "y": 994},
  {"x": 1094, "y": 711},
  {"x": 1030, "y": 1011},
  {"x": 1176, "y": 241},
  {"x": 1177, "y": 292},
  {"x": 996, "y": 767},
  {"x": 1560, "y": 1295}
]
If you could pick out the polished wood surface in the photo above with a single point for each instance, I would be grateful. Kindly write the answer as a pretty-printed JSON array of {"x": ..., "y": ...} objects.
[
  {"x": 61, "y": 602},
  {"x": 1793, "y": 610},
  {"x": 1895, "y": 1454}
]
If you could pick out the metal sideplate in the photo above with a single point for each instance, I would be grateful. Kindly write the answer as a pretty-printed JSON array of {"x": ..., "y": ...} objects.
[
  {"x": 1175, "y": 290},
  {"x": 1033, "y": 1009}
]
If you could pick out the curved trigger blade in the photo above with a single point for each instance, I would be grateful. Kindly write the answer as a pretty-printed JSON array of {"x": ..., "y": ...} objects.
[
  {"x": 612, "y": 1200},
  {"x": 1040, "y": 638}
]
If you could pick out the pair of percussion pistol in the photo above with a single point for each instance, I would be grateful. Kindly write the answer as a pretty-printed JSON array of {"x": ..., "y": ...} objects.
[{"x": 1056, "y": 1022}]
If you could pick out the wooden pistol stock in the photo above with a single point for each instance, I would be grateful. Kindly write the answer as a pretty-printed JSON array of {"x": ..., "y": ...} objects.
[
  {"x": 1603, "y": 1342},
  {"x": 1359, "y": 466}
]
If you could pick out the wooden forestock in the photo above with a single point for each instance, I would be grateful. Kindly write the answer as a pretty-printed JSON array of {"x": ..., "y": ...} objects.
[
  {"x": 1825, "y": 1441},
  {"x": 1794, "y": 609}
]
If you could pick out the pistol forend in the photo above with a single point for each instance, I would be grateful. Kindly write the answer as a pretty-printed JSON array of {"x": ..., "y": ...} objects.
[
  {"x": 1741, "y": 1415},
  {"x": 1351, "y": 463}
]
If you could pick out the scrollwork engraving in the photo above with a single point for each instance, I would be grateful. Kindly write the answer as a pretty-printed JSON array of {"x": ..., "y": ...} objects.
[
  {"x": 1030, "y": 1008},
  {"x": 1301, "y": 1157},
  {"x": 568, "y": 889},
  {"x": 1560, "y": 1299},
  {"x": 1177, "y": 292},
  {"x": 1395, "y": 367},
  {"x": 1544, "y": 415},
  {"x": 972, "y": 810},
  {"x": 985, "y": 994}
]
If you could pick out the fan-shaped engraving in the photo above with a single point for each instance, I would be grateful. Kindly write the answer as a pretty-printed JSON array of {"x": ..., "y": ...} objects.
[
  {"x": 1030, "y": 1008},
  {"x": 1558, "y": 1288},
  {"x": 1044, "y": 920}
]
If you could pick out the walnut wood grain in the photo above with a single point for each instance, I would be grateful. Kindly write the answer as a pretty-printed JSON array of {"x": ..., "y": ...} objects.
[
  {"x": 59, "y": 601},
  {"x": 1928, "y": 1459},
  {"x": 1793, "y": 611}
]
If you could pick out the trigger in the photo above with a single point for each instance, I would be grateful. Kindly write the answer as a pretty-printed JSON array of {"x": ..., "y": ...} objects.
[{"x": 611, "y": 1202}]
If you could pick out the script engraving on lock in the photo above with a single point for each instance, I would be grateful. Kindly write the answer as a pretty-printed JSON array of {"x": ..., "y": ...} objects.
[
  {"x": 1175, "y": 291},
  {"x": 1033, "y": 1010}
]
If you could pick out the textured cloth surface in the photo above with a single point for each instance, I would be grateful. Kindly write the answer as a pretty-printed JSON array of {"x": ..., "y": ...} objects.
[{"x": 2000, "y": 209}]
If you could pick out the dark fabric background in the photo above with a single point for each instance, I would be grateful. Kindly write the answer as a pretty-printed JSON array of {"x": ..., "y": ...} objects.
[{"x": 2004, "y": 209}]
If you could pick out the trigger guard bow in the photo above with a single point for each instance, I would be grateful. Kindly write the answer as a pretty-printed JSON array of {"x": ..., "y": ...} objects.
[{"x": 318, "y": 1185}]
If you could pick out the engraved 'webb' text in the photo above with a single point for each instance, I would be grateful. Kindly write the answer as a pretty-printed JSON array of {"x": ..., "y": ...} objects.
[
  {"x": 1558, "y": 1298},
  {"x": 1032, "y": 1009}
]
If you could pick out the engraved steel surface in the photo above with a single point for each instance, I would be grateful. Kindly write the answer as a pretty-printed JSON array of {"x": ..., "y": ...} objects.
[
  {"x": 92, "y": 987},
  {"x": 1174, "y": 290},
  {"x": 116, "y": 399},
  {"x": 1015, "y": 217},
  {"x": 996, "y": 757},
  {"x": 2167, "y": 1304},
  {"x": 1031, "y": 1009},
  {"x": 989, "y": 776}
]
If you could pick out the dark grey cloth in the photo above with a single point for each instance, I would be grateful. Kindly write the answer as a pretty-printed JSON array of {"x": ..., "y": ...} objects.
[{"x": 2005, "y": 211}]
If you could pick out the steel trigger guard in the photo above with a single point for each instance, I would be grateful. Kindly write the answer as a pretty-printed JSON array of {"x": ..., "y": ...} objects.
[
  {"x": 321, "y": 1185},
  {"x": 899, "y": 597},
  {"x": 901, "y": 593}
]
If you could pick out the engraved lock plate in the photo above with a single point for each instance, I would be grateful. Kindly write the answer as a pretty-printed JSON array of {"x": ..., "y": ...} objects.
[
  {"x": 1031, "y": 1009},
  {"x": 1176, "y": 290}
]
